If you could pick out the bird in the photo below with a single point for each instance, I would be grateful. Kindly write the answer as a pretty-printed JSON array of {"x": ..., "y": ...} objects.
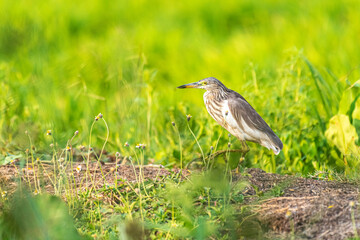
[{"x": 236, "y": 115}]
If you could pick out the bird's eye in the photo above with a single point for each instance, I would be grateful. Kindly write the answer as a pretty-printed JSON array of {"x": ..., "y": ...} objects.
[{"x": 204, "y": 83}]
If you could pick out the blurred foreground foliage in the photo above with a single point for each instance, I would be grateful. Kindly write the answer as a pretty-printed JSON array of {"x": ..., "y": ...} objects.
[{"x": 40, "y": 217}]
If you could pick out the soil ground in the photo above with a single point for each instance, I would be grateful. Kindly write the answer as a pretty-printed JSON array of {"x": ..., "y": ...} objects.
[
  {"x": 305, "y": 208},
  {"x": 291, "y": 207}
]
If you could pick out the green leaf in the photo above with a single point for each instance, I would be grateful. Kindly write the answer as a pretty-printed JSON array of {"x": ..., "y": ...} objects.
[
  {"x": 321, "y": 86},
  {"x": 10, "y": 159},
  {"x": 356, "y": 111},
  {"x": 342, "y": 134},
  {"x": 356, "y": 84},
  {"x": 352, "y": 108},
  {"x": 345, "y": 102},
  {"x": 356, "y": 124}
]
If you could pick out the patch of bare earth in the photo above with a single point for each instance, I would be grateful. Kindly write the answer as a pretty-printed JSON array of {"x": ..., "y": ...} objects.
[
  {"x": 80, "y": 176},
  {"x": 305, "y": 208}
]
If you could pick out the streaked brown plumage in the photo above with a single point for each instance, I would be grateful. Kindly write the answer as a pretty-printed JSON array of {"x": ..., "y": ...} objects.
[{"x": 236, "y": 115}]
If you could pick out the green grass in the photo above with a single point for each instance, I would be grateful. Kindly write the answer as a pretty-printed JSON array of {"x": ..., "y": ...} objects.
[
  {"x": 297, "y": 63},
  {"x": 64, "y": 62}
]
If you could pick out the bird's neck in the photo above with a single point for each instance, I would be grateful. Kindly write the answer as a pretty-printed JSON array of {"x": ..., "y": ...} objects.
[{"x": 218, "y": 94}]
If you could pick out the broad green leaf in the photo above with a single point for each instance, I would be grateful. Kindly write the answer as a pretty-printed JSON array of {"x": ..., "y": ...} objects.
[
  {"x": 356, "y": 112},
  {"x": 356, "y": 124},
  {"x": 352, "y": 109},
  {"x": 345, "y": 102},
  {"x": 342, "y": 134}
]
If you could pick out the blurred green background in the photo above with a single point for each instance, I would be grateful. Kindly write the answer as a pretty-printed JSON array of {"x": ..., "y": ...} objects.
[{"x": 296, "y": 62}]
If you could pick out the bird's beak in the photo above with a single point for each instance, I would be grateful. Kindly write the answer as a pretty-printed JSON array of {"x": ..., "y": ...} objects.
[{"x": 190, "y": 85}]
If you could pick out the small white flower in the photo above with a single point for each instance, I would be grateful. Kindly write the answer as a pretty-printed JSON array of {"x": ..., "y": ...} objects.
[
  {"x": 3, "y": 194},
  {"x": 78, "y": 168}
]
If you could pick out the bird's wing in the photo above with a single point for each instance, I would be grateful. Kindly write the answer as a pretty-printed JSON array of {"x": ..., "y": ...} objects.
[
  {"x": 249, "y": 120},
  {"x": 241, "y": 109}
]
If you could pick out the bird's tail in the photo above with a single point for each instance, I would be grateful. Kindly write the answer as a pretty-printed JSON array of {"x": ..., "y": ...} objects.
[{"x": 274, "y": 143}]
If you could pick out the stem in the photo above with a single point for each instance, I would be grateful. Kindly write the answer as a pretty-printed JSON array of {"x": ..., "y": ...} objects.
[
  {"x": 88, "y": 157},
  {"x": 197, "y": 142},
  {"x": 33, "y": 164},
  {"x": 180, "y": 146},
  {"x": 102, "y": 150}
]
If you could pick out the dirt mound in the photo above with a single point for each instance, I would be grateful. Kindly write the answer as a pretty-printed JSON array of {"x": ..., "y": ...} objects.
[{"x": 304, "y": 208}]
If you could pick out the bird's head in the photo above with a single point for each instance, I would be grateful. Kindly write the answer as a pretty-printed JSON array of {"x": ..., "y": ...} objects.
[{"x": 208, "y": 84}]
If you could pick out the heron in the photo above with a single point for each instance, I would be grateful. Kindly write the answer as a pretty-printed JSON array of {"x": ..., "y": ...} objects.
[{"x": 236, "y": 115}]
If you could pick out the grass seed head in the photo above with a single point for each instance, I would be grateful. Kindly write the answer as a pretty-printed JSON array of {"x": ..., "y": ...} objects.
[
  {"x": 98, "y": 116},
  {"x": 188, "y": 117},
  {"x": 140, "y": 146}
]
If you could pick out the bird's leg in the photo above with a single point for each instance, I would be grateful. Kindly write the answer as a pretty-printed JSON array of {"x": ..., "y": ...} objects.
[
  {"x": 214, "y": 155},
  {"x": 244, "y": 149}
]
